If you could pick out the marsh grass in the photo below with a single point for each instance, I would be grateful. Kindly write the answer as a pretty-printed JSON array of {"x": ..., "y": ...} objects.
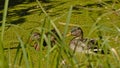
[
  {"x": 60, "y": 56},
  {"x": 3, "y": 61}
]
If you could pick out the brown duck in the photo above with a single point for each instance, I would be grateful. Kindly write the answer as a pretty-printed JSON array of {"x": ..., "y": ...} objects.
[
  {"x": 80, "y": 44},
  {"x": 35, "y": 37}
]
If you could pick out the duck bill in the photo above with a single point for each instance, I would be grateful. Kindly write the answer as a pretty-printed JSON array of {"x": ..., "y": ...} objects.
[{"x": 69, "y": 34}]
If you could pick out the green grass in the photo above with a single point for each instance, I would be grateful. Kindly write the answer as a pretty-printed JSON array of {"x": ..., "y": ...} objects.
[
  {"x": 3, "y": 61},
  {"x": 93, "y": 16}
]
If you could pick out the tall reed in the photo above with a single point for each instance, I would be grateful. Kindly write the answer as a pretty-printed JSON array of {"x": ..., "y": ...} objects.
[{"x": 3, "y": 62}]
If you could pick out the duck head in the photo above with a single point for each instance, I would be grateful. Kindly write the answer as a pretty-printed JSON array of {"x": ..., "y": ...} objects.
[
  {"x": 77, "y": 32},
  {"x": 33, "y": 40},
  {"x": 35, "y": 36}
]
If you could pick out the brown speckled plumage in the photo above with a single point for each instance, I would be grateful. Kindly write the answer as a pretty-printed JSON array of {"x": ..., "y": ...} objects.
[
  {"x": 80, "y": 44},
  {"x": 36, "y": 37}
]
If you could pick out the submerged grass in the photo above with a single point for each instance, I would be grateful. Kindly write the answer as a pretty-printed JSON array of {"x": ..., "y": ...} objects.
[{"x": 93, "y": 22}]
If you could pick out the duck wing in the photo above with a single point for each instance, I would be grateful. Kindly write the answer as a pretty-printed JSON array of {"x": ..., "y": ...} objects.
[
  {"x": 93, "y": 45},
  {"x": 77, "y": 45}
]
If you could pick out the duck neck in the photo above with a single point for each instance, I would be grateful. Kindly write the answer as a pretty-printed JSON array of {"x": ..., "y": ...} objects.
[{"x": 80, "y": 37}]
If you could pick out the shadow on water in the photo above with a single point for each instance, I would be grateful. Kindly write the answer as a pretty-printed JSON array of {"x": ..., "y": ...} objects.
[
  {"x": 55, "y": 13},
  {"x": 26, "y": 11},
  {"x": 99, "y": 4},
  {"x": 15, "y": 22},
  {"x": 21, "y": 12},
  {"x": 12, "y": 48},
  {"x": 1, "y": 16},
  {"x": 18, "y": 21},
  {"x": 53, "y": 5},
  {"x": 14, "y": 2}
]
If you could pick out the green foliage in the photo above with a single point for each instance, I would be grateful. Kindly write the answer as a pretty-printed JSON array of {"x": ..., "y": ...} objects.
[{"x": 98, "y": 19}]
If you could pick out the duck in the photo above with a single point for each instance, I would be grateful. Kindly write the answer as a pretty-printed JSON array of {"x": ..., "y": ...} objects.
[
  {"x": 81, "y": 44},
  {"x": 34, "y": 40},
  {"x": 36, "y": 37}
]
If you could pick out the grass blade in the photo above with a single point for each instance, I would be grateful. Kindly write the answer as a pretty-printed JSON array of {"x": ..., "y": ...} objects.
[
  {"x": 24, "y": 51},
  {"x": 2, "y": 58},
  {"x": 67, "y": 21},
  {"x": 51, "y": 21}
]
